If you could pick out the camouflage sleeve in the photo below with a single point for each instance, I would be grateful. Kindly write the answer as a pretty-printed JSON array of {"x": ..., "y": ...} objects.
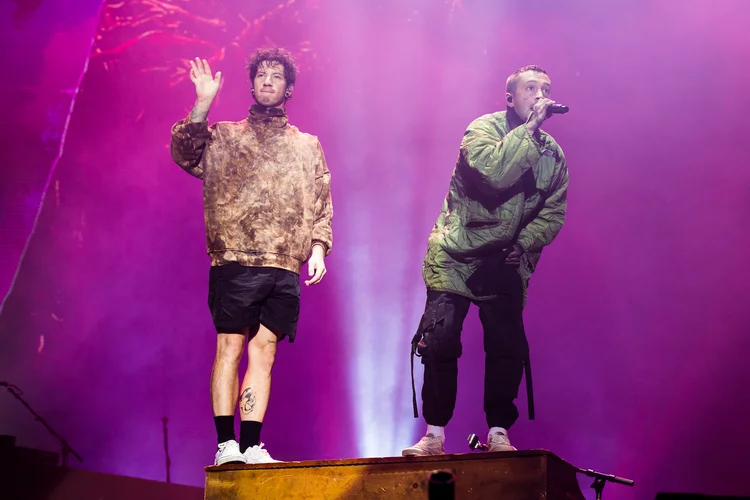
[
  {"x": 322, "y": 232},
  {"x": 188, "y": 143},
  {"x": 496, "y": 162},
  {"x": 544, "y": 227}
]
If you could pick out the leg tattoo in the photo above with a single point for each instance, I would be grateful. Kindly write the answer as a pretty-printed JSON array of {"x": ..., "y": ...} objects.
[{"x": 247, "y": 401}]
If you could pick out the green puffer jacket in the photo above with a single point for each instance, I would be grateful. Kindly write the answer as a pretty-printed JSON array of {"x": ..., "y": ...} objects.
[{"x": 508, "y": 186}]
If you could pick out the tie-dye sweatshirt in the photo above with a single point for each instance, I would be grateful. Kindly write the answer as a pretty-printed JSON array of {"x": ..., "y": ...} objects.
[{"x": 266, "y": 188}]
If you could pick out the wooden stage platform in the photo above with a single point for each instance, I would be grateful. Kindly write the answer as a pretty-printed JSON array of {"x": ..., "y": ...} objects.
[{"x": 530, "y": 474}]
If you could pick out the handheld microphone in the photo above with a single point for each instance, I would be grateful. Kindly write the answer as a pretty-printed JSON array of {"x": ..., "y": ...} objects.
[{"x": 558, "y": 109}]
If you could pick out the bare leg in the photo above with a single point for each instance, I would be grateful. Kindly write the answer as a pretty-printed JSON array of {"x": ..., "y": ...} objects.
[
  {"x": 224, "y": 375},
  {"x": 256, "y": 386}
]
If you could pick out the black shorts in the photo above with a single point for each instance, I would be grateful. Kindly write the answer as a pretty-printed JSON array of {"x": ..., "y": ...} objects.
[{"x": 247, "y": 297}]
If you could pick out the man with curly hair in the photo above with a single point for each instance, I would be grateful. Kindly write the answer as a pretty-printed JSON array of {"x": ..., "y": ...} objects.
[{"x": 267, "y": 202}]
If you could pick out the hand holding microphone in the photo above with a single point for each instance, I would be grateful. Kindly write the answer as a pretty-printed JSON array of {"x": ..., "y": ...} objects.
[
  {"x": 539, "y": 113},
  {"x": 543, "y": 109}
]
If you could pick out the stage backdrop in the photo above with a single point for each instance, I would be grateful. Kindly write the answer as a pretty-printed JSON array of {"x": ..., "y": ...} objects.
[{"x": 637, "y": 315}]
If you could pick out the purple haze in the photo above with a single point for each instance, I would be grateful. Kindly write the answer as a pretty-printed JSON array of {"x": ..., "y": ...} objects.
[{"x": 637, "y": 314}]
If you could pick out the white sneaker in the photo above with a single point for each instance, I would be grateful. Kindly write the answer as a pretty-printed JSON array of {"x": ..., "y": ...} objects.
[
  {"x": 499, "y": 442},
  {"x": 229, "y": 451},
  {"x": 258, "y": 455},
  {"x": 428, "y": 445}
]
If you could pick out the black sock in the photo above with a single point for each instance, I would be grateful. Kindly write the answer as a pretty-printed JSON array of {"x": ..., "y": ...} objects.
[
  {"x": 249, "y": 434},
  {"x": 225, "y": 428}
]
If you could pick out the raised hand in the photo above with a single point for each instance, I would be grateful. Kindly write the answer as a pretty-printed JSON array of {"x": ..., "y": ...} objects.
[
  {"x": 206, "y": 88},
  {"x": 206, "y": 85}
]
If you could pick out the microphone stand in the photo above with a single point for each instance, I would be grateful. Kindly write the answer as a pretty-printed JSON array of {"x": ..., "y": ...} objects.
[
  {"x": 601, "y": 479},
  {"x": 65, "y": 447},
  {"x": 164, "y": 421}
]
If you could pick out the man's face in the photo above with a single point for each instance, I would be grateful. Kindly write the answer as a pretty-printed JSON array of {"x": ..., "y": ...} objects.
[
  {"x": 270, "y": 85},
  {"x": 530, "y": 87}
]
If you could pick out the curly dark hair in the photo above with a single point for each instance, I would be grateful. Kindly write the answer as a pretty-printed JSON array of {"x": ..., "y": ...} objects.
[
  {"x": 273, "y": 55},
  {"x": 510, "y": 84}
]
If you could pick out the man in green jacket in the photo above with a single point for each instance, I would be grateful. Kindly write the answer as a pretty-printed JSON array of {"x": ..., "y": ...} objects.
[{"x": 506, "y": 201}]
